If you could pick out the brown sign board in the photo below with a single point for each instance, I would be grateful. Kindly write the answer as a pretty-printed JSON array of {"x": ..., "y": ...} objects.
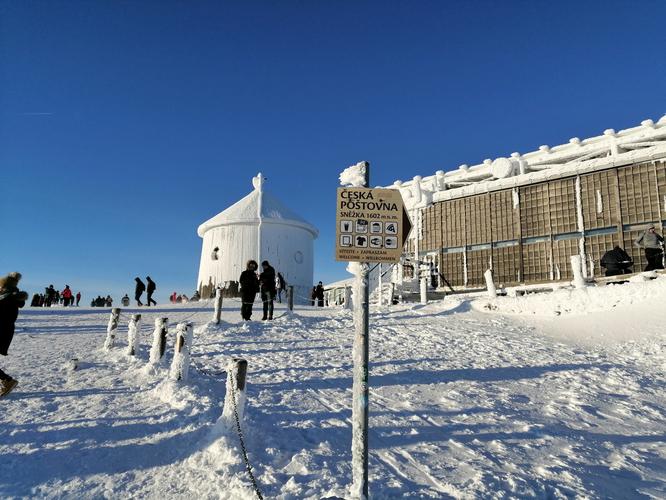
[{"x": 372, "y": 225}]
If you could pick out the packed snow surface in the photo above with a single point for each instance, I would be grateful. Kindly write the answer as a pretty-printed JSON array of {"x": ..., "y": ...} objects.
[{"x": 466, "y": 402}]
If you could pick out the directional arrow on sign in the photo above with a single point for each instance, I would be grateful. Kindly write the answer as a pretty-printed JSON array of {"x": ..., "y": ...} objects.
[{"x": 406, "y": 226}]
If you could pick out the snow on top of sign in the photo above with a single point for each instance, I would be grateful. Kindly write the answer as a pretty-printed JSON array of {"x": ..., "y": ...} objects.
[
  {"x": 259, "y": 205},
  {"x": 354, "y": 176}
]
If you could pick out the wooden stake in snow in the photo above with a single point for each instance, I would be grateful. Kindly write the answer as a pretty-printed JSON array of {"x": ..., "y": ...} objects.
[
  {"x": 133, "y": 330},
  {"x": 112, "y": 328},
  {"x": 576, "y": 267},
  {"x": 236, "y": 375},
  {"x": 181, "y": 356},
  {"x": 490, "y": 285},
  {"x": 159, "y": 340},
  {"x": 218, "y": 306},
  {"x": 290, "y": 301},
  {"x": 392, "y": 294}
]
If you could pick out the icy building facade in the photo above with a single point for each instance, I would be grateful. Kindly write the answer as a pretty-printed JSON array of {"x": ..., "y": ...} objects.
[
  {"x": 525, "y": 215},
  {"x": 259, "y": 227}
]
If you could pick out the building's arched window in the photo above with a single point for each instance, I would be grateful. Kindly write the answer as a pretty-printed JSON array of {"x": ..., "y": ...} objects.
[
  {"x": 215, "y": 254},
  {"x": 298, "y": 257}
]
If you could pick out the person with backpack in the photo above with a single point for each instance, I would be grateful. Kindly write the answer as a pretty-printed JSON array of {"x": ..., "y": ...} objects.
[
  {"x": 249, "y": 286},
  {"x": 11, "y": 300},
  {"x": 138, "y": 291},
  {"x": 653, "y": 244},
  {"x": 150, "y": 291},
  {"x": 66, "y": 296},
  {"x": 616, "y": 261},
  {"x": 267, "y": 282}
]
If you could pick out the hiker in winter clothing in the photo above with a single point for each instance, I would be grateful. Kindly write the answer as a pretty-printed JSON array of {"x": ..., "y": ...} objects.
[
  {"x": 249, "y": 286},
  {"x": 652, "y": 242},
  {"x": 313, "y": 295},
  {"x": 319, "y": 294},
  {"x": 50, "y": 296},
  {"x": 616, "y": 261},
  {"x": 150, "y": 291},
  {"x": 281, "y": 284},
  {"x": 78, "y": 298},
  {"x": 125, "y": 300},
  {"x": 267, "y": 281},
  {"x": 138, "y": 291},
  {"x": 66, "y": 296},
  {"x": 11, "y": 300},
  {"x": 35, "y": 300}
]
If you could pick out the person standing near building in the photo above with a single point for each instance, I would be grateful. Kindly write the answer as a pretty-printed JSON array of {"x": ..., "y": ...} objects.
[
  {"x": 319, "y": 294},
  {"x": 249, "y": 286},
  {"x": 267, "y": 281},
  {"x": 281, "y": 285},
  {"x": 11, "y": 300},
  {"x": 150, "y": 291},
  {"x": 653, "y": 244},
  {"x": 138, "y": 291}
]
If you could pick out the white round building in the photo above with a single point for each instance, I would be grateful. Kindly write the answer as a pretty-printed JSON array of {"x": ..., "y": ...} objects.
[{"x": 259, "y": 227}]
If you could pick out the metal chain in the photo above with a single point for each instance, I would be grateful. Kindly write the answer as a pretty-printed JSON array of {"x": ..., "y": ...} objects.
[{"x": 248, "y": 467}]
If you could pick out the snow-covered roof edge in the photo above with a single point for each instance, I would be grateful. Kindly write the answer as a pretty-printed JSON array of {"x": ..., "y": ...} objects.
[
  {"x": 257, "y": 207},
  {"x": 643, "y": 143}
]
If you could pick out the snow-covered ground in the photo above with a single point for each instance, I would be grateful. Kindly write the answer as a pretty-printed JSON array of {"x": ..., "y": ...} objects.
[{"x": 469, "y": 398}]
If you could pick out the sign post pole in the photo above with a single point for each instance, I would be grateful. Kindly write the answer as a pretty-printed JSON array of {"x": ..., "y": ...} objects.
[
  {"x": 361, "y": 392},
  {"x": 372, "y": 226}
]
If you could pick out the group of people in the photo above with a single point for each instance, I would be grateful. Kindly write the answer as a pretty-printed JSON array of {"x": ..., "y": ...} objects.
[
  {"x": 102, "y": 302},
  {"x": 176, "y": 298},
  {"x": 318, "y": 295},
  {"x": 617, "y": 261},
  {"x": 52, "y": 297},
  {"x": 251, "y": 283},
  {"x": 142, "y": 287}
]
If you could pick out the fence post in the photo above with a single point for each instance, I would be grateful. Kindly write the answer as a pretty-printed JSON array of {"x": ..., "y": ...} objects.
[
  {"x": 576, "y": 267},
  {"x": 181, "y": 354},
  {"x": 392, "y": 294},
  {"x": 218, "y": 305},
  {"x": 291, "y": 297},
  {"x": 236, "y": 377},
  {"x": 133, "y": 330},
  {"x": 348, "y": 297},
  {"x": 488, "y": 275},
  {"x": 112, "y": 328},
  {"x": 159, "y": 340}
]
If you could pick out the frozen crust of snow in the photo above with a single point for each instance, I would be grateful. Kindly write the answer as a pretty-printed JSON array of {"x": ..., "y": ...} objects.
[
  {"x": 463, "y": 404},
  {"x": 354, "y": 176}
]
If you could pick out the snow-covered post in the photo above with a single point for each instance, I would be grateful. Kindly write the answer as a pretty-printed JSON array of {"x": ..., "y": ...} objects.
[
  {"x": 290, "y": 302},
  {"x": 348, "y": 297},
  {"x": 112, "y": 328},
  {"x": 576, "y": 267},
  {"x": 359, "y": 176},
  {"x": 234, "y": 399},
  {"x": 159, "y": 341},
  {"x": 490, "y": 285},
  {"x": 133, "y": 330},
  {"x": 423, "y": 288},
  {"x": 218, "y": 305},
  {"x": 381, "y": 289},
  {"x": 181, "y": 354},
  {"x": 390, "y": 301}
]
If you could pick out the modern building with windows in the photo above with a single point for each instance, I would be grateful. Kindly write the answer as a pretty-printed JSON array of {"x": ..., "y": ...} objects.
[{"x": 525, "y": 215}]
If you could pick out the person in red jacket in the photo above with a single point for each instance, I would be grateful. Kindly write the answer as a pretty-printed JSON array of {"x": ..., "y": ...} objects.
[{"x": 66, "y": 296}]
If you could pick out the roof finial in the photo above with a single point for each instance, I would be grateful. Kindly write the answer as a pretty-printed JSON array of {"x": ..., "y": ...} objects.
[{"x": 258, "y": 182}]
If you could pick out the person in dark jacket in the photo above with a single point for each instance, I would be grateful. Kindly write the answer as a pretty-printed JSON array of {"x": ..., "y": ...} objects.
[
  {"x": 150, "y": 291},
  {"x": 50, "y": 294},
  {"x": 78, "y": 298},
  {"x": 319, "y": 294},
  {"x": 267, "y": 281},
  {"x": 616, "y": 261},
  {"x": 249, "y": 286},
  {"x": 313, "y": 295},
  {"x": 11, "y": 300},
  {"x": 138, "y": 291},
  {"x": 125, "y": 300}
]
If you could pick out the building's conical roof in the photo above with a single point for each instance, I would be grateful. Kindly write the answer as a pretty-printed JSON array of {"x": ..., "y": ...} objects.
[{"x": 258, "y": 206}]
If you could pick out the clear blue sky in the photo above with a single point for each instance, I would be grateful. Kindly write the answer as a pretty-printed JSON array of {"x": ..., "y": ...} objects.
[{"x": 125, "y": 124}]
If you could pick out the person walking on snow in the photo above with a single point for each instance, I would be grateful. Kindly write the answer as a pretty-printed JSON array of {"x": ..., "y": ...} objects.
[
  {"x": 11, "y": 300},
  {"x": 319, "y": 294},
  {"x": 138, "y": 291},
  {"x": 653, "y": 243},
  {"x": 249, "y": 286},
  {"x": 78, "y": 298},
  {"x": 150, "y": 291},
  {"x": 66, "y": 296},
  {"x": 267, "y": 281}
]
